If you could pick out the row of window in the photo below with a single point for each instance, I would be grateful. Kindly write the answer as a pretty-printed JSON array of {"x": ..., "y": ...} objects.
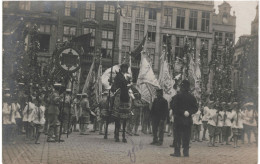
[
  {"x": 193, "y": 19},
  {"x": 109, "y": 14},
  {"x": 220, "y": 35}
]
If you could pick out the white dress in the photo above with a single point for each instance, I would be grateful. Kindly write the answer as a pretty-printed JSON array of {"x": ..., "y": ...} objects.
[{"x": 8, "y": 116}]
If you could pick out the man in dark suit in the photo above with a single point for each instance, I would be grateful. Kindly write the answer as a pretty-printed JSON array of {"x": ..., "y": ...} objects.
[
  {"x": 159, "y": 113},
  {"x": 184, "y": 105}
]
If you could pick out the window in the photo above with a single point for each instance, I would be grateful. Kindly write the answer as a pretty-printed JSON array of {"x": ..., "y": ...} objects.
[
  {"x": 139, "y": 31},
  {"x": 151, "y": 33},
  {"x": 151, "y": 53},
  {"x": 87, "y": 30},
  {"x": 24, "y": 5},
  {"x": 5, "y": 4},
  {"x": 126, "y": 31},
  {"x": 166, "y": 39},
  {"x": 47, "y": 7},
  {"x": 167, "y": 18},
  {"x": 106, "y": 48},
  {"x": 193, "y": 20},
  {"x": 125, "y": 51},
  {"x": 139, "y": 12},
  {"x": 45, "y": 28},
  {"x": 109, "y": 13},
  {"x": 90, "y": 10},
  {"x": 220, "y": 37},
  {"x": 205, "y": 21},
  {"x": 71, "y": 8},
  {"x": 107, "y": 44},
  {"x": 205, "y": 43},
  {"x": 152, "y": 14},
  {"x": 192, "y": 42},
  {"x": 229, "y": 36},
  {"x": 44, "y": 40},
  {"x": 127, "y": 11},
  {"x": 179, "y": 47},
  {"x": 107, "y": 34},
  {"x": 180, "y": 18},
  {"x": 68, "y": 33}
]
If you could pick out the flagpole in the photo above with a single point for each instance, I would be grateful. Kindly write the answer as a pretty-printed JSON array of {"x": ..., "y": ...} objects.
[{"x": 112, "y": 63}]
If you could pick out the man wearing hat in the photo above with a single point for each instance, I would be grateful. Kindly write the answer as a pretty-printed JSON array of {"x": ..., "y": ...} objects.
[
  {"x": 185, "y": 106},
  {"x": 159, "y": 113},
  {"x": 66, "y": 111},
  {"x": 84, "y": 114},
  {"x": 121, "y": 82},
  {"x": 53, "y": 113},
  {"x": 102, "y": 111},
  {"x": 75, "y": 112}
]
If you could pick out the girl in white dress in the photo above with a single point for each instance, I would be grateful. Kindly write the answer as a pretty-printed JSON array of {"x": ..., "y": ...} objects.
[{"x": 237, "y": 124}]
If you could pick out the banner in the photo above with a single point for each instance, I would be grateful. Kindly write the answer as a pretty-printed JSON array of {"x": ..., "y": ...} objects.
[
  {"x": 91, "y": 76},
  {"x": 165, "y": 80},
  {"x": 147, "y": 82},
  {"x": 98, "y": 88}
]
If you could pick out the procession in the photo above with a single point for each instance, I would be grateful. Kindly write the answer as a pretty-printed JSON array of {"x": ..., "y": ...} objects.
[{"x": 174, "y": 94}]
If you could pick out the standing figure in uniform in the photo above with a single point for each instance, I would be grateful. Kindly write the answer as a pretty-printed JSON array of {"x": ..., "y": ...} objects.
[
  {"x": 53, "y": 114},
  {"x": 159, "y": 113},
  {"x": 84, "y": 114},
  {"x": 185, "y": 105},
  {"x": 102, "y": 112},
  {"x": 75, "y": 113},
  {"x": 66, "y": 111}
]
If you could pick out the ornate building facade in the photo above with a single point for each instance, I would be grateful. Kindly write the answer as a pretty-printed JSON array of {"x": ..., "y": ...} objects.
[
  {"x": 245, "y": 65},
  {"x": 176, "y": 20}
]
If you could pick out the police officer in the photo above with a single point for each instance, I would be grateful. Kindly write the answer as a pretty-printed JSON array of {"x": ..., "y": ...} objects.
[{"x": 185, "y": 105}]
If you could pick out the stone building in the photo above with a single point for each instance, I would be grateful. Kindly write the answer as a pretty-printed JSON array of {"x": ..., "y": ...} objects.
[
  {"x": 245, "y": 65},
  {"x": 63, "y": 20}
]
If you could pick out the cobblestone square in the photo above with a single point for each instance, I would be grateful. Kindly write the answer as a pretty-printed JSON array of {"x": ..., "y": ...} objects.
[{"x": 93, "y": 149}]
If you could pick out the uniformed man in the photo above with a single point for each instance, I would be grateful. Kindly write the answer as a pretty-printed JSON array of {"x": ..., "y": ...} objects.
[
  {"x": 185, "y": 105},
  {"x": 75, "y": 112},
  {"x": 103, "y": 111},
  {"x": 66, "y": 111},
  {"x": 137, "y": 107},
  {"x": 84, "y": 114},
  {"x": 159, "y": 113},
  {"x": 53, "y": 113}
]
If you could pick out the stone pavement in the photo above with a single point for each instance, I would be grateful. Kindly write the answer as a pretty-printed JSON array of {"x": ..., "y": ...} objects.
[{"x": 93, "y": 149}]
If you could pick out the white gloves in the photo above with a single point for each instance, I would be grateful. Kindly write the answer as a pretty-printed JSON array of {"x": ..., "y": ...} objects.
[{"x": 186, "y": 114}]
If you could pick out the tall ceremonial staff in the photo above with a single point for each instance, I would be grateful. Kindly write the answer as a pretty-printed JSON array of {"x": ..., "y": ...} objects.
[
  {"x": 72, "y": 82},
  {"x": 118, "y": 10},
  {"x": 67, "y": 62}
]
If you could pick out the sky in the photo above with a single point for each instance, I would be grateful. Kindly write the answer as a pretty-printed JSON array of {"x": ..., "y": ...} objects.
[{"x": 245, "y": 12}]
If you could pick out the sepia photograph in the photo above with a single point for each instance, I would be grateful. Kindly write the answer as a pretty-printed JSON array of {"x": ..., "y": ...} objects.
[{"x": 122, "y": 82}]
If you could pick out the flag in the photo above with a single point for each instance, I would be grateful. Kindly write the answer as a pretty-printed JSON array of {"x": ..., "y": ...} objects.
[
  {"x": 98, "y": 88},
  {"x": 147, "y": 82},
  {"x": 136, "y": 54},
  {"x": 165, "y": 80},
  {"x": 195, "y": 77},
  {"x": 75, "y": 89},
  {"x": 90, "y": 77},
  {"x": 83, "y": 41}
]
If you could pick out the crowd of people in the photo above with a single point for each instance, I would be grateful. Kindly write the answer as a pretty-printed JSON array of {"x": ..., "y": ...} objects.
[{"x": 184, "y": 118}]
